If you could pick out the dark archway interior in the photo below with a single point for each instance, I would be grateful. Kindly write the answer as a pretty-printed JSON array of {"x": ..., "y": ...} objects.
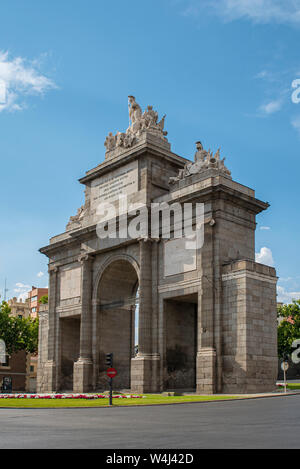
[
  {"x": 116, "y": 322},
  {"x": 70, "y": 349},
  {"x": 181, "y": 343}
]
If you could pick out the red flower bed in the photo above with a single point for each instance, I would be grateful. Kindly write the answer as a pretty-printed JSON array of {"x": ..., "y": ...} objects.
[{"x": 66, "y": 396}]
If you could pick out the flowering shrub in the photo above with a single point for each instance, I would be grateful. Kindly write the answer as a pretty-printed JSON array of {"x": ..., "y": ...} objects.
[{"x": 66, "y": 396}]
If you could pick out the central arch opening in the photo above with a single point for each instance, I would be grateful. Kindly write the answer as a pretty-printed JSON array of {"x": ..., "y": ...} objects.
[{"x": 117, "y": 322}]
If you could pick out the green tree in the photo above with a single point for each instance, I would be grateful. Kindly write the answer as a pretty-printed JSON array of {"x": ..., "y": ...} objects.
[
  {"x": 30, "y": 334},
  {"x": 18, "y": 333},
  {"x": 289, "y": 327},
  {"x": 44, "y": 300}
]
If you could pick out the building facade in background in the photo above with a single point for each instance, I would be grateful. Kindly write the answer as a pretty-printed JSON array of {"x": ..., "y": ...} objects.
[
  {"x": 34, "y": 297},
  {"x": 18, "y": 364},
  {"x": 19, "y": 308},
  {"x": 16, "y": 368},
  {"x": 21, "y": 367}
]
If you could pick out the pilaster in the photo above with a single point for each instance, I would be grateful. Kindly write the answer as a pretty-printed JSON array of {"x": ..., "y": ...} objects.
[
  {"x": 51, "y": 364},
  {"x": 206, "y": 352},
  {"x": 145, "y": 367},
  {"x": 83, "y": 367}
]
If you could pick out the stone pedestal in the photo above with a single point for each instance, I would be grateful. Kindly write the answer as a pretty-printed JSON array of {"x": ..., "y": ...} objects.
[
  {"x": 144, "y": 374},
  {"x": 83, "y": 371},
  {"x": 206, "y": 371},
  {"x": 50, "y": 372}
]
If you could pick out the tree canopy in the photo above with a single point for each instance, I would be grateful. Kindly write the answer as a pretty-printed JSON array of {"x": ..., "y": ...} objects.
[
  {"x": 18, "y": 333},
  {"x": 289, "y": 327},
  {"x": 44, "y": 300}
]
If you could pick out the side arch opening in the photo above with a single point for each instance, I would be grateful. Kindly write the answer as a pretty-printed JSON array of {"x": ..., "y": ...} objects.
[{"x": 117, "y": 322}]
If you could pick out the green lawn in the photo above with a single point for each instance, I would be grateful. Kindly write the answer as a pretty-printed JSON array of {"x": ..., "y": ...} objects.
[
  {"x": 151, "y": 399},
  {"x": 293, "y": 386}
]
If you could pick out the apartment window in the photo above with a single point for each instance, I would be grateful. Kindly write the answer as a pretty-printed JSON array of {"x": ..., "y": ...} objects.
[
  {"x": 31, "y": 369},
  {"x": 33, "y": 298},
  {"x": 33, "y": 310}
]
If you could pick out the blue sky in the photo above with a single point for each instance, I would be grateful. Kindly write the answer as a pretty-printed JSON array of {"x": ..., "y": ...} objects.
[{"x": 221, "y": 70}]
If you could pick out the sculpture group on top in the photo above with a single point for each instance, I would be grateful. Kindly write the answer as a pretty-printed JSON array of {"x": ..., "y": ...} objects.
[
  {"x": 204, "y": 160},
  {"x": 76, "y": 220},
  {"x": 139, "y": 123}
]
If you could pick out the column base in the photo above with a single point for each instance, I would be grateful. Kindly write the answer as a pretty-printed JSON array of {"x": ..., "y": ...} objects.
[
  {"x": 206, "y": 371},
  {"x": 145, "y": 374},
  {"x": 48, "y": 381},
  {"x": 83, "y": 370}
]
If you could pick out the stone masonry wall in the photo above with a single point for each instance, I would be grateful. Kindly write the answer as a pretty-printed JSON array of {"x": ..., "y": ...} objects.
[
  {"x": 249, "y": 328},
  {"x": 43, "y": 348}
]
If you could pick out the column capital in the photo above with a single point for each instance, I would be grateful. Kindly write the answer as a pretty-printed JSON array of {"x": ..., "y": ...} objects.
[
  {"x": 53, "y": 269},
  {"x": 85, "y": 257}
]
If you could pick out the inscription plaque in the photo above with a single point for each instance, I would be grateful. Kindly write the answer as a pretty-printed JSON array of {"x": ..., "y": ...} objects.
[
  {"x": 122, "y": 181},
  {"x": 70, "y": 286},
  {"x": 177, "y": 258}
]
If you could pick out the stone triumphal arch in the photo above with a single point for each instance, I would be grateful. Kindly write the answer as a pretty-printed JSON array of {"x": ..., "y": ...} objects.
[{"x": 199, "y": 319}]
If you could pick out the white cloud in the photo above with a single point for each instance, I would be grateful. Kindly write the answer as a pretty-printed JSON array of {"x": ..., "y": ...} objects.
[
  {"x": 285, "y": 296},
  {"x": 262, "y": 74},
  {"x": 21, "y": 290},
  {"x": 271, "y": 107},
  {"x": 265, "y": 256},
  {"x": 266, "y": 75},
  {"x": 276, "y": 86},
  {"x": 296, "y": 124},
  {"x": 22, "y": 285},
  {"x": 257, "y": 11},
  {"x": 23, "y": 296},
  {"x": 40, "y": 274},
  {"x": 264, "y": 228},
  {"x": 18, "y": 79}
]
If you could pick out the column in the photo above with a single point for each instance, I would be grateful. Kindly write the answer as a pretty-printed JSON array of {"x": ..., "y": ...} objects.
[
  {"x": 95, "y": 344},
  {"x": 43, "y": 350},
  {"x": 206, "y": 353},
  {"x": 50, "y": 366},
  {"x": 83, "y": 366},
  {"x": 143, "y": 366},
  {"x": 145, "y": 299}
]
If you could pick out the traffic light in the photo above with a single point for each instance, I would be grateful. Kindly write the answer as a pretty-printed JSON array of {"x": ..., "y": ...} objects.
[
  {"x": 285, "y": 356},
  {"x": 109, "y": 359}
]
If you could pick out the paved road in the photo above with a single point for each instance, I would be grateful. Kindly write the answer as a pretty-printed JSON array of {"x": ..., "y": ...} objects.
[{"x": 261, "y": 423}]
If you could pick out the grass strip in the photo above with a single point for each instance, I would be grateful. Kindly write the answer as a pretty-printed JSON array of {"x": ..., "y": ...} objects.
[{"x": 151, "y": 399}]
